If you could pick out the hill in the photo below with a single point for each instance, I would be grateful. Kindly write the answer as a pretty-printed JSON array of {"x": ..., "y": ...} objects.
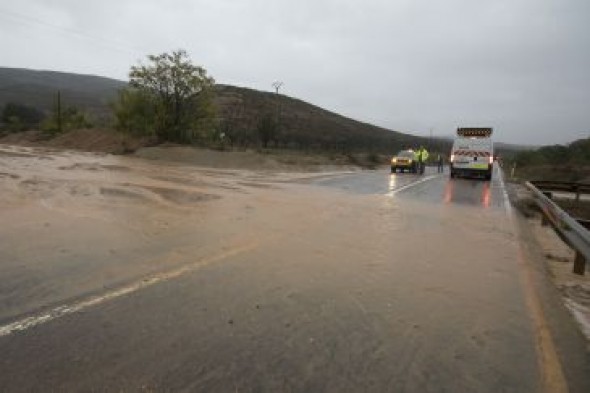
[
  {"x": 302, "y": 125},
  {"x": 39, "y": 89}
]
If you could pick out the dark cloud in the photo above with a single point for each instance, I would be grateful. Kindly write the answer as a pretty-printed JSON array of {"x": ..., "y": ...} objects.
[{"x": 520, "y": 66}]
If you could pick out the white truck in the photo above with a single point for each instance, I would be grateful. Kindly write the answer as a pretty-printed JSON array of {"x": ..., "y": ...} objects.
[{"x": 473, "y": 153}]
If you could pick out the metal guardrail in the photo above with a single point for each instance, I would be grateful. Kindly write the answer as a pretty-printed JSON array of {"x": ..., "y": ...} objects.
[
  {"x": 562, "y": 186},
  {"x": 575, "y": 188},
  {"x": 568, "y": 228}
]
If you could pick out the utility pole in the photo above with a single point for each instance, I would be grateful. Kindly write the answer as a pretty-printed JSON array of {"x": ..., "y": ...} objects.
[
  {"x": 59, "y": 111},
  {"x": 277, "y": 85}
]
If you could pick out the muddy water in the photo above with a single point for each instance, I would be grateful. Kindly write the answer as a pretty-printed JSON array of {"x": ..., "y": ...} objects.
[
  {"x": 335, "y": 292},
  {"x": 76, "y": 223}
]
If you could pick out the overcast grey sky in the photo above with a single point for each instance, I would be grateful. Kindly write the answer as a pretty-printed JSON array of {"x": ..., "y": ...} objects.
[{"x": 521, "y": 66}]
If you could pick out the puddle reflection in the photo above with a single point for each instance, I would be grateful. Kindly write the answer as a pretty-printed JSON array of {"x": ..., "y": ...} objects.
[
  {"x": 392, "y": 182},
  {"x": 468, "y": 192}
]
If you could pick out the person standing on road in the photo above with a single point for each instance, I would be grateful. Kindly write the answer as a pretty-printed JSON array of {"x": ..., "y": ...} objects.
[
  {"x": 422, "y": 156},
  {"x": 440, "y": 164}
]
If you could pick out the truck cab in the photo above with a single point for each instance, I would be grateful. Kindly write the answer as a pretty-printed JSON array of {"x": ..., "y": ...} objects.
[{"x": 472, "y": 154}]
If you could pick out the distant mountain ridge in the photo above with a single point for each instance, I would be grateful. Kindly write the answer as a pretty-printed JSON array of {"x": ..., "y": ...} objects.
[
  {"x": 301, "y": 123},
  {"x": 39, "y": 89}
]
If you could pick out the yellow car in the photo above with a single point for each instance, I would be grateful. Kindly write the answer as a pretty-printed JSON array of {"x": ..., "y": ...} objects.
[{"x": 404, "y": 160}]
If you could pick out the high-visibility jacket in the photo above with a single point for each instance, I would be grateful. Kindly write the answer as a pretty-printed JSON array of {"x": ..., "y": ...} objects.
[{"x": 421, "y": 155}]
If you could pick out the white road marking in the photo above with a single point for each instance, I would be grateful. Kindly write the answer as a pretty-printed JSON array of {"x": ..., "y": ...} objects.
[
  {"x": 398, "y": 190},
  {"x": 507, "y": 204},
  {"x": 60, "y": 311}
]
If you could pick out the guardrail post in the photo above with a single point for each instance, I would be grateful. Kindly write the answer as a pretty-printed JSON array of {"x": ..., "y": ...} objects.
[
  {"x": 544, "y": 219},
  {"x": 579, "y": 264}
]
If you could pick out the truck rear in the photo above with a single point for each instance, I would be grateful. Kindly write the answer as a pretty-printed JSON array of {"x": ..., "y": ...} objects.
[{"x": 473, "y": 153}]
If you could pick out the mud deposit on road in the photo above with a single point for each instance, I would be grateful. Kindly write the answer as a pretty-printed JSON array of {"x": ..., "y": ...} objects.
[
  {"x": 250, "y": 281},
  {"x": 81, "y": 222}
]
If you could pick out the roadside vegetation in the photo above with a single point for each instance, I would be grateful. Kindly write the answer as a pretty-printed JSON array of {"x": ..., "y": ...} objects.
[
  {"x": 570, "y": 163},
  {"x": 19, "y": 117},
  {"x": 169, "y": 98},
  {"x": 557, "y": 162}
]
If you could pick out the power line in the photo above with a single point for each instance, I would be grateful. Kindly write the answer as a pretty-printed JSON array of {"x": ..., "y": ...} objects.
[{"x": 107, "y": 42}]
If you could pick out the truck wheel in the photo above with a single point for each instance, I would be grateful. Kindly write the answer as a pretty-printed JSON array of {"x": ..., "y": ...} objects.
[
  {"x": 452, "y": 175},
  {"x": 488, "y": 176},
  {"x": 392, "y": 169}
]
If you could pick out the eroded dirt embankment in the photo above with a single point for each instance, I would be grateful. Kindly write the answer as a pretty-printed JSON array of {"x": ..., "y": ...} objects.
[{"x": 108, "y": 141}]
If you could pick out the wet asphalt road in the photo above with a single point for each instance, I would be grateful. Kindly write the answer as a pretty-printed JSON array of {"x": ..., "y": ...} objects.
[
  {"x": 368, "y": 282},
  {"x": 438, "y": 187}
]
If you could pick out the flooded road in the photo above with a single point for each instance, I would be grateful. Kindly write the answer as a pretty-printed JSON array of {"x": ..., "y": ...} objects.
[{"x": 120, "y": 274}]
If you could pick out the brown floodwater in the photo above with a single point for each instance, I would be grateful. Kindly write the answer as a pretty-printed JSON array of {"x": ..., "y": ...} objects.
[{"x": 157, "y": 276}]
